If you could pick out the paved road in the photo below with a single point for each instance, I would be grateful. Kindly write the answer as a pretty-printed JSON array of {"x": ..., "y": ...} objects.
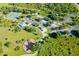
[{"x": 76, "y": 27}]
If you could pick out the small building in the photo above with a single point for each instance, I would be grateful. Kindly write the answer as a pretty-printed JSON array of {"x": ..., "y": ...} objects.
[
  {"x": 52, "y": 28},
  {"x": 23, "y": 25},
  {"x": 60, "y": 23},
  {"x": 72, "y": 15},
  {"x": 44, "y": 22},
  {"x": 42, "y": 29},
  {"x": 54, "y": 25},
  {"x": 36, "y": 22},
  {"x": 40, "y": 16},
  {"x": 46, "y": 19},
  {"x": 67, "y": 20},
  {"x": 27, "y": 18}
]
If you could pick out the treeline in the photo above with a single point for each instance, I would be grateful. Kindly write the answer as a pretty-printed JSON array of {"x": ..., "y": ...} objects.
[
  {"x": 41, "y": 8},
  {"x": 53, "y": 7},
  {"x": 65, "y": 46}
]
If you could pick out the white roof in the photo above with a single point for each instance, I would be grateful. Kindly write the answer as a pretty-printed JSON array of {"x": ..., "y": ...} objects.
[
  {"x": 43, "y": 21},
  {"x": 43, "y": 29},
  {"x": 40, "y": 16},
  {"x": 23, "y": 24},
  {"x": 54, "y": 25}
]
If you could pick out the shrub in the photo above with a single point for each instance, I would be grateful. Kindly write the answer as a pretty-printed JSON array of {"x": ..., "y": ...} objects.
[
  {"x": 16, "y": 48},
  {"x": 6, "y": 38},
  {"x": 5, "y": 55},
  {"x": 53, "y": 35},
  {"x": 30, "y": 29},
  {"x": 7, "y": 44}
]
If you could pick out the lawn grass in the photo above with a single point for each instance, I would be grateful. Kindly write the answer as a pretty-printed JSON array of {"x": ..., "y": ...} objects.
[
  {"x": 12, "y": 38},
  {"x": 4, "y": 5}
]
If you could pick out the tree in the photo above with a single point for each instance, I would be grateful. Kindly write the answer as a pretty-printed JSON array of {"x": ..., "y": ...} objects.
[
  {"x": 64, "y": 46},
  {"x": 34, "y": 24},
  {"x": 17, "y": 29},
  {"x": 7, "y": 44},
  {"x": 16, "y": 48},
  {"x": 30, "y": 29},
  {"x": 5, "y": 55},
  {"x": 6, "y": 38},
  {"x": 75, "y": 33},
  {"x": 53, "y": 35},
  {"x": 47, "y": 24}
]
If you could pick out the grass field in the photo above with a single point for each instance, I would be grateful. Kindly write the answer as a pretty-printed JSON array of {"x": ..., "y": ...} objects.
[
  {"x": 5, "y": 5},
  {"x": 12, "y": 38}
]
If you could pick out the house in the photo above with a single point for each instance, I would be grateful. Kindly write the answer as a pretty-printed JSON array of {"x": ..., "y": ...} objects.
[
  {"x": 40, "y": 16},
  {"x": 67, "y": 20},
  {"x": 54, "y": 25},
  {"x": 72, "y": 15},
  {"x": 60, "y": 23},
  {"x": 52, "y": 28},
  {"x": 43, "y": 30},
  {"x": 36, "y": 22},
  {"x": 46, "y": 19},
  {"x": 27, "y": 18},
  {"x": 44, "y": 22},
  {"x": 22, "y": 25}
]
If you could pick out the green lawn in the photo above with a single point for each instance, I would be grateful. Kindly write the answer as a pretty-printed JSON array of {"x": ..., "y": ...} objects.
[
  {"x": 5, "y": 5},
  {"x": 12, "y": 38}
]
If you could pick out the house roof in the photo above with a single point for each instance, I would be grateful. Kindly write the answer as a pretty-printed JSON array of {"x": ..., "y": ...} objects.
[
  {"x": 43, "y": 21},
  {"x": 37, "y": 22},
  {"x": 23, "y": 24},
  {"x": 27, "y": 18},
  {"x": 43, "y": 29},
  {"x": 40, "y": 16}
]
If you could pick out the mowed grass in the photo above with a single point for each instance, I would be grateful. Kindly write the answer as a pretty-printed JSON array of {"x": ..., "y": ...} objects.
[
  {"x": 12, "y": 37},
  {"x": 5, "y": 5}
]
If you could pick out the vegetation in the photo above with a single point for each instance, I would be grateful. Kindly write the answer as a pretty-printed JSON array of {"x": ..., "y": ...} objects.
[
  {"x": 1, "y": 51},
  {"x": 30, "y": 29},
  {"x": 12, "y": 36},
  {"x": 7, "y": 44},
  {"x": 75, "y": 33},
  {"x": 64, "y": 46}
]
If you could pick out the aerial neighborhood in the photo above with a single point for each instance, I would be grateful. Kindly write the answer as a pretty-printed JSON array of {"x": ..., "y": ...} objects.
[{"x": 31, "y": 30}]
